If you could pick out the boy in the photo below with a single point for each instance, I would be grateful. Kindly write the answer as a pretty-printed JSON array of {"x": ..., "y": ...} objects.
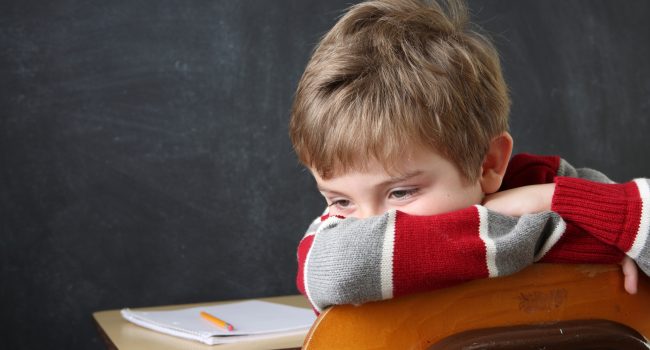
[{"x": 401, "y": 116}]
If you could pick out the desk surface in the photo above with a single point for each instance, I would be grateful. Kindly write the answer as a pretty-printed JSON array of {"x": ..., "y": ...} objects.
[{"x": 123, "y": 335}]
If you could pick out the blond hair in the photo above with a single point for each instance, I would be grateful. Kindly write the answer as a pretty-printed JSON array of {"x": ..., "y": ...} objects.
[{"x": 392, "y": 76}]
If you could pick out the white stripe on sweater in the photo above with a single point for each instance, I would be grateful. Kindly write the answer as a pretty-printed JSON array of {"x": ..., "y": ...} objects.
[
  {"x": 644, "y": 224},
  {"x": 555, "y": 236},
  {"x": 387, "y": 252},
  {"x": 305, "y": 279},
  {"x": 490, "y": 246}
]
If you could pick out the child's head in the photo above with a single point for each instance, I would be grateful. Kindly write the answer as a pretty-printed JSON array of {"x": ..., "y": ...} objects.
[{"x": 393, "y": 80}]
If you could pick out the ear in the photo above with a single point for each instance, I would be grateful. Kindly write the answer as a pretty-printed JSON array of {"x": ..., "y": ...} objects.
[{"x": 495, "y": 163}]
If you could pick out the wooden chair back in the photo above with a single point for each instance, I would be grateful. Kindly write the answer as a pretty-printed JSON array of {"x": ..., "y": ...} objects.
[{"x": 542, "y": 293}]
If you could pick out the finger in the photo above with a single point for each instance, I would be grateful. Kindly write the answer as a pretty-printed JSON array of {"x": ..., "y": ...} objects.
[{"x": 631, "y": 274}]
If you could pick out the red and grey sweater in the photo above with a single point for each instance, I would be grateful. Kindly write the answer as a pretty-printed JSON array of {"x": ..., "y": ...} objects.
[{"x": 593, "y": 220}]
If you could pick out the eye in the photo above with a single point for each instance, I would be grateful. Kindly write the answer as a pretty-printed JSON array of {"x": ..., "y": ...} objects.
[
  {"x": 403, "y": 193},
  {"x": 341, "y": 203}
]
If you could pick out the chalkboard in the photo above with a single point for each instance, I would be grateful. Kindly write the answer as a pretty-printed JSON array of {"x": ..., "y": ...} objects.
[
  {"x": 579, "y": 78},
  {"x": 144, "y": 156}
]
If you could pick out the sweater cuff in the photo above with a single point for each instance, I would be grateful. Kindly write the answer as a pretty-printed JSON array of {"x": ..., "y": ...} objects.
[{"x": 610, "y": 212}]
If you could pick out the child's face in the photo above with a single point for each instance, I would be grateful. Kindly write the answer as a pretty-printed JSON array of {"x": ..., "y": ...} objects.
[{"x": 428, "y": 184}]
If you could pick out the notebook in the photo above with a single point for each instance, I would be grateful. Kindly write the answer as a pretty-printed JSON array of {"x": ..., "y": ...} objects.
[{"x": 252, "y": 320}]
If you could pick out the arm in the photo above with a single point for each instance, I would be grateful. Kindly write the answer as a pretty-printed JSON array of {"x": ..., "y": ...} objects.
[
  {"x": 616, "y": 214},
  {"x": 629, "y": 267},
  {"x": 352, "y": 261},
  {"x": 526, "y": 169}
]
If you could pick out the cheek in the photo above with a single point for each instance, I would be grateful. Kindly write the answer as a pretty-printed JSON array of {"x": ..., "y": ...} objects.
[
  {"x": 443, "y": 202},
  {"x": 430, "y": 205}
]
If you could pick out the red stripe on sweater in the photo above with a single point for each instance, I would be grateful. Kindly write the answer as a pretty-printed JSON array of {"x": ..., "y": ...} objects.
[
  {"x": 303, "y": 250},
  {"x": 437, "y": 251},
  {"x": 579, "y": 247},
  {"x": 611, "y": 212},
  {"x": 634, "y": 212}
]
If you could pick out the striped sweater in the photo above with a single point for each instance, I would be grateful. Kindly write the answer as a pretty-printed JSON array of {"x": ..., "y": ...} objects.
[{"x": 593, "y": 220}]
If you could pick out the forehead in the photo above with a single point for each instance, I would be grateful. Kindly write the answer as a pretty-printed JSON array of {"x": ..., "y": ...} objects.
[
  {"x": 375, "y": 172},
  {"x": 392, "y": 163},
  {"x": 371, "y": 175}
]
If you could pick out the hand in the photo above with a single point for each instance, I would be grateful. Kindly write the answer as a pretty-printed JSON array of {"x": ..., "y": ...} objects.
[
  {"x": 521, "y": 200},
  {"x": 631, "y": 273}
]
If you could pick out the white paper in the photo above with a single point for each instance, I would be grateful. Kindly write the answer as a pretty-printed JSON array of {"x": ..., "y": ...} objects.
[{"x": 252, "y": 319}]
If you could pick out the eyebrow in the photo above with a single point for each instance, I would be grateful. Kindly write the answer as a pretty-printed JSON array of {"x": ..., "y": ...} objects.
[
  {"x": 401, "y": 178},
  {"x": 323, "y": 189}
]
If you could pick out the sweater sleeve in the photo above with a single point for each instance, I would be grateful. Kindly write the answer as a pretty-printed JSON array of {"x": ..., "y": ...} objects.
[
  {"x": 576, "y": 244},
  {"x": 616, "y": 214},
  {"x": 352, "y": 261},
  {"x": 596, "y": 208}
]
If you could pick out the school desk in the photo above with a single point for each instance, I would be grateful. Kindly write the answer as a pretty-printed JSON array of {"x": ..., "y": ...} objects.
[{"x": 124, "y": 335}]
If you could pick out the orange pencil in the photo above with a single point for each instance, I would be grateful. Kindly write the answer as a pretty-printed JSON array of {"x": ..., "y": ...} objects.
[{"x": 217, "y": 321}]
